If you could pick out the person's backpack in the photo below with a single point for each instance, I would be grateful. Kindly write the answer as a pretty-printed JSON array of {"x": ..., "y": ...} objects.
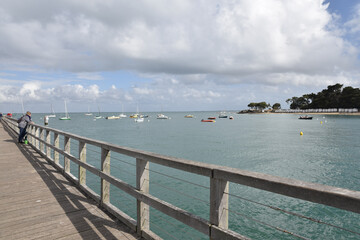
[{"x": 20, "y": 119}]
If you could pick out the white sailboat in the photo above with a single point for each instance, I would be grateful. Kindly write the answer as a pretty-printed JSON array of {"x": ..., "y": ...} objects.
[
  {"x": 52, "y": 115},
  {"x": 122, "y": 115},
  {"x": 138, "y": 117},
  {"x": 98, "y": 116},
  {"x": 67, "y": 117},
  {"x": 88, "y": 113}
]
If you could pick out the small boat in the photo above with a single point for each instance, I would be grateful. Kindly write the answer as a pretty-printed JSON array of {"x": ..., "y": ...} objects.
[
  {"x": 139, "y": 120},
  {"x": 137, "y": 114},
  {"x": 112, "y": 117},
  {"x": 231, "y": 118},
  {"x": 211, "y": 118},
  {"x": 52, "y": 115},
  {"x": 122, "y": 115},
  {"x": 207, "y": 120},
  {"x": 189, "y": 116},
  {"x": 222, "y": 115},
  {"x": 88, "y": 113},
  {"x": 306, "y": 117},
  {"x": 67, "y": 117},
  {"x": 162, "y": 116},
  {"x": 98, "y": 116}
]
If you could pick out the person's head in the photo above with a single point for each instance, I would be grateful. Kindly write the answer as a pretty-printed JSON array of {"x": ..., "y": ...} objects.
[{"x": 28, "y": 113}]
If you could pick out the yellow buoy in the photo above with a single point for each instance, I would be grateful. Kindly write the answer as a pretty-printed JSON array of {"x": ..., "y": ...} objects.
[
  {"x": 320, "y": 122},
  {"x": 301, "y": 133}
]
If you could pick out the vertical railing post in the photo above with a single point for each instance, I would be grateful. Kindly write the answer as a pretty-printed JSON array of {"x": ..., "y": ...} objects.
[
  {"x": 37, "y": 134},
  {"x": 30, "y": 130},
  {"x": 219, "y": 202},
  {"x": 32, "y": 139},
  {"x": 66, "y": 149},
  {"x": 47, "y": 137},
  {"x": 42, "y": 138},
  {"x": 142, "y": 184},
  {"x": 105, "y": 168},
  {"x": 82, "y": 157},
  {"x": 56, "y": 144}
]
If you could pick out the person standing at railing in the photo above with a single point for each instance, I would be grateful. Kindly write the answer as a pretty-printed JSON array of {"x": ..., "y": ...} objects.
[{"x": 23, "y": 122}]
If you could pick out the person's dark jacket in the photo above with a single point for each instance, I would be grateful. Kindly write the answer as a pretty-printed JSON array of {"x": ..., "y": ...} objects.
[{"x": 24, "y": 121}]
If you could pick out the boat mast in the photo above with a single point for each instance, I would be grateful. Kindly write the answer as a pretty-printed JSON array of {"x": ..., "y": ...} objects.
[{"x": 66, "y": 112}]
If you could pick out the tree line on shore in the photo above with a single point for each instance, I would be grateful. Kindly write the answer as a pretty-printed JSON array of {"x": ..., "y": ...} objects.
[
  {"x": 335, "y": 96},
  {"x": 258, "y": 107}
]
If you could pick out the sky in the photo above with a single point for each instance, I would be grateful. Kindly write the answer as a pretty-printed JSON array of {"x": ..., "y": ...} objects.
[{"x": 179, "y": 55}]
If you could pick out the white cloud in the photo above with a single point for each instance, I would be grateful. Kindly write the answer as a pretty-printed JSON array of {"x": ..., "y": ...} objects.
[
  {"x": 228, "y": 37},
  {"x": 30, "y": 90},
  {"x": 191, "y": 52},
  {"x": 89, "y": 76},
  {"x": 143, "y": 91}
]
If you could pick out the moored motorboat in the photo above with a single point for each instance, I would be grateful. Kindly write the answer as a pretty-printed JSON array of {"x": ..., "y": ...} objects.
[
  {"x": 112, "y": 117},
  {"x": 231, "y": 118},
  {"x": 222, "y": 115},
  {"x": 189, "y": 116},
  {"x": 162, "y": 116},
  {"x": 207, "y": 120},
  {"x": 306, "y": 117},
  {"x": 211, "y": 118},
  {"x": 140, "y": 119}
]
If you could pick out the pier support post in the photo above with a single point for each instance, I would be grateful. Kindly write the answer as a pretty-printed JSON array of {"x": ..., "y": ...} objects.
[
  {"x": 105, "y": 168},
  {"x": 219, "y": 202},
  {"x": 66, "y": 149},
  {"x": 82, "y": 157},
  {"x": 56, "y": 144},
  {"x": 48, "y": 149},
  {"x": 142, "y": 184}
]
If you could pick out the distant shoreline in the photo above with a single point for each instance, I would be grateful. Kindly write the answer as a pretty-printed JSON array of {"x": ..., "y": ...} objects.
[{"x": 307, "y": 113}]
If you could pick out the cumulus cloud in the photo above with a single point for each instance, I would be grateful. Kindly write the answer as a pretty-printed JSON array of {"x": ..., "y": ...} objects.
[
  {"x": 192, "y": 51},
  {"x": 228, "y": 37}
]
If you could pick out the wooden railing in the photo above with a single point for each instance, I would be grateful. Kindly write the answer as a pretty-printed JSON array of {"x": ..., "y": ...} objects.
[{"x": 217, "y": 226}]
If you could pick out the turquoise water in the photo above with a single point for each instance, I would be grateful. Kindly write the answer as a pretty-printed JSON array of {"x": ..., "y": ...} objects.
[{"x": 327, "y": 153}]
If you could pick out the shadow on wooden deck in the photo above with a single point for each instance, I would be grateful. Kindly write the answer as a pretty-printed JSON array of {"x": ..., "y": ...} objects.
[{"x": 87, "y": 220}]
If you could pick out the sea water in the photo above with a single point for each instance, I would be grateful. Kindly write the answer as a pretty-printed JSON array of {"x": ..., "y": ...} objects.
[{"x": 327, "y": 153}]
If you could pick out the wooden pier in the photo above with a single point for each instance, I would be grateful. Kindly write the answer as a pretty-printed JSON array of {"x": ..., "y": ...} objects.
[{"x": 37, "y": 201}]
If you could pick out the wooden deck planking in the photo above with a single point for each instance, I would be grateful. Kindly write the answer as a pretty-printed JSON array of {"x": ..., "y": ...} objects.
[{"x": 37, "y": 202}]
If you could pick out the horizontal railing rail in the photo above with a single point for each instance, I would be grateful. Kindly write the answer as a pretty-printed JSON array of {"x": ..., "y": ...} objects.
[{"x": 217, "y": 225}]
